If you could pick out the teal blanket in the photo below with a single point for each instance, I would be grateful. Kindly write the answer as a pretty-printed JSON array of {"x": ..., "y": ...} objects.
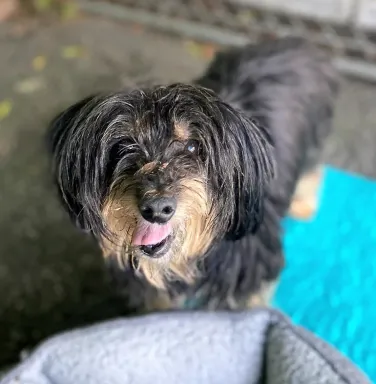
[{"x": 329, "y": 282}]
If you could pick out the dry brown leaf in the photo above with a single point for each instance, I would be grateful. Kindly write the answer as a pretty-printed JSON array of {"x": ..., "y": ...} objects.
[
  {"x": 137, "y": 29},
  {"x": 39, "y": 63},
  {"x": 208, "y": 51}
]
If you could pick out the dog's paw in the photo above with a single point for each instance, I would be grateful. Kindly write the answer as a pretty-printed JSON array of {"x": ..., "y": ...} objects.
[
  {"x": 264, "y": 297},
  {"x": 303, "y": 209},
  {"x": 305, "y": 202}
]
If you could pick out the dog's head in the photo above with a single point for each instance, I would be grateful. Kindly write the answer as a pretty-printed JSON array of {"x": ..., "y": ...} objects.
[{"x": 160, "y": 175}]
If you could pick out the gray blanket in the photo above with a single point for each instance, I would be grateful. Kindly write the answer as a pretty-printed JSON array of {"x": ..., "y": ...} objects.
[{"x": 255, "y": 347}]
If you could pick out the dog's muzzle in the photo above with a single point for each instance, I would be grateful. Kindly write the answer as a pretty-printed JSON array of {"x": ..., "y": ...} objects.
[{"x": 153, "y": 234}]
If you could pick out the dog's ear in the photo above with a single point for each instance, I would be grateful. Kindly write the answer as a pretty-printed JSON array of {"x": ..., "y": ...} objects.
[
  {"x": 64, "y": 158},
  {"x": 59, "y": 127},
  {"x": 250, "y": 161}
]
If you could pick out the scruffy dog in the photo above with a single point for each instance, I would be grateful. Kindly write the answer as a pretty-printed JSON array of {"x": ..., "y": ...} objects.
[{"x": 184, "y": 186}]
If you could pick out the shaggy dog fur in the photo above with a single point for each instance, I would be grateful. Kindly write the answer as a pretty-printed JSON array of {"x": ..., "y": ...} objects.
[{"x": 184, "y": 186}]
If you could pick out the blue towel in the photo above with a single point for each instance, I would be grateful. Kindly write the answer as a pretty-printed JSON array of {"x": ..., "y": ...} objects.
[{"x": 329, "y": 284}]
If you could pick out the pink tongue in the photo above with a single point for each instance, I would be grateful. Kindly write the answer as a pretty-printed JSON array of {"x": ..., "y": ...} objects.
[{"x": 150, "y": 234}]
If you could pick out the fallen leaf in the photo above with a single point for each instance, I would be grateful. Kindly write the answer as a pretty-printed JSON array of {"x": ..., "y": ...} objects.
[
  {"x": 73, "y": 52},
  {"x": 6, "y": 107},
  {"x": 69, "y": 10},
  {"x": 137, "y": 29},
  {"x": 29, "y": 85},
  {"x": 193, "y": 48},
  {"x": 39, "y": 63},
  {"x": 201, "y": 50},
  {"x": 42, "y": 5},
  {"x": 208, "y": 51}
]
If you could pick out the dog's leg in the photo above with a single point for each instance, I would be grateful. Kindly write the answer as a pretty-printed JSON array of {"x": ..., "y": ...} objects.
[
  {"x": 264, "y": 297},
  {"x": 305, "y": 201}
]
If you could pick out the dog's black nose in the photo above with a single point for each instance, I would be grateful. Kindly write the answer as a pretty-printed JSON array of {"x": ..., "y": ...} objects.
[{"x": 158, "y": 209}]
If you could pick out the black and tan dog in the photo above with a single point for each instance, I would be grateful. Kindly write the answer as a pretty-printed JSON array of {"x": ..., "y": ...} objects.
[{"x": 184, "y": 186}]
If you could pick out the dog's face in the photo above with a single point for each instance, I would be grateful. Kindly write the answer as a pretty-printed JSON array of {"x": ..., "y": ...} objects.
[{"x": 160, "y": 175}]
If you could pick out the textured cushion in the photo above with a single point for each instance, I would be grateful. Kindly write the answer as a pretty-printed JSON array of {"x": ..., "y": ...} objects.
[{"x": 254, "y": 347}]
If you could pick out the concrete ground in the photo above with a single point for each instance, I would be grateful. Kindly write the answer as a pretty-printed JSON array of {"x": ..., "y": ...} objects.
[{"x": 51, "y": 277}]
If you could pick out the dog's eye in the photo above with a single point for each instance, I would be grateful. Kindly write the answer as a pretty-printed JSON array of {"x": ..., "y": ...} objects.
[{"x": 191, "y": 146}]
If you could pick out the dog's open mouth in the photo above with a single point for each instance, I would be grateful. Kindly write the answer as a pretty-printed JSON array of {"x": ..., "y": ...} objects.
[
  {"x": 153, "y": 240},
  {"x": 158, "y": 249}
]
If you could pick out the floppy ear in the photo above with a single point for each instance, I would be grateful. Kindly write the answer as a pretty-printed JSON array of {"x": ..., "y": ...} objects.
[
  {"x": 251, "y": 159},
  {"x": 65, "y": 161}
]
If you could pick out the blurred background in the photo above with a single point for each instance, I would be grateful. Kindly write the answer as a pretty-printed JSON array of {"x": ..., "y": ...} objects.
[{"x": 54, "y": 52}]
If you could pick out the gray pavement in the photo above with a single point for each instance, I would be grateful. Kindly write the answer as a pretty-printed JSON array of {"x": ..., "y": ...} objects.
[{"x": 51, "y": 277}]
